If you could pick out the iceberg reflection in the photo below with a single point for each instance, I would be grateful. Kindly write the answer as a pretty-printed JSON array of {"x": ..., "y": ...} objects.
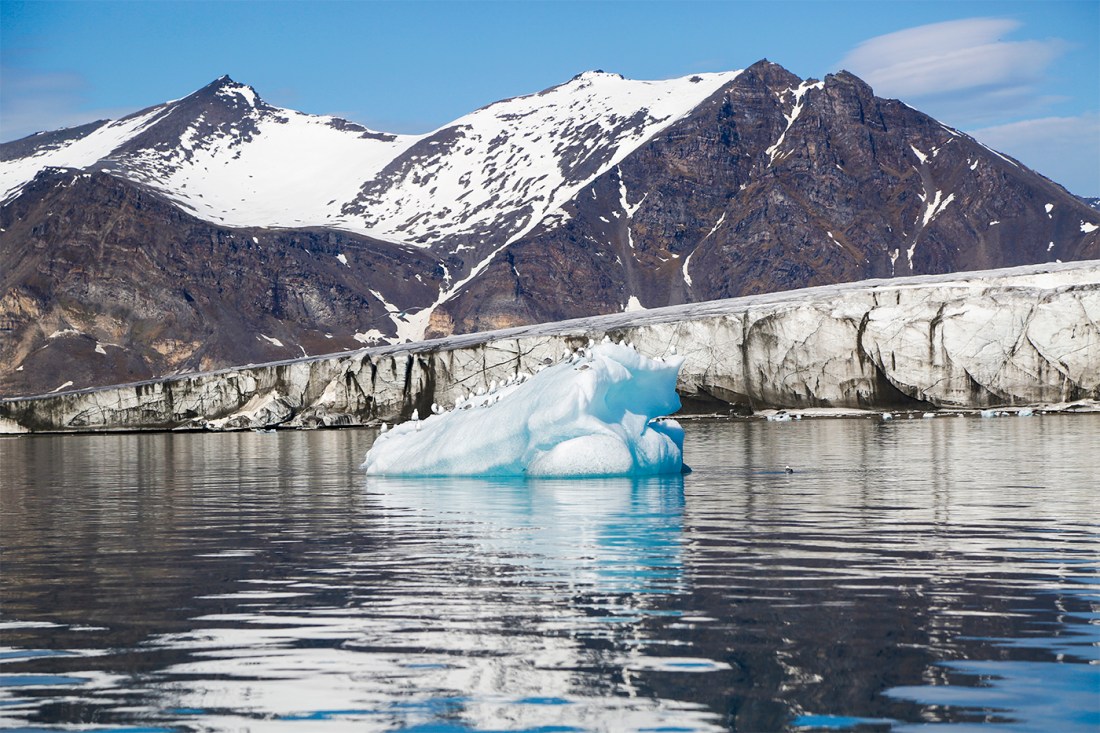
[
  {"x": 612, "y": 535},
  {"x": 484, "y": 604}
]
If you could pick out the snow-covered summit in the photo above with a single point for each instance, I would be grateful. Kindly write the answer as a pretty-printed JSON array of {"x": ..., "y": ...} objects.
[
  {"x": 502, "y": 168},
  {"x": 226, "y": 87},
  {"x": 225, "y": 155}
]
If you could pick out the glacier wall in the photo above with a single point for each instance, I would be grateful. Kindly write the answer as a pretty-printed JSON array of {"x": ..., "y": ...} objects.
[{"x": 1028, "y": 335}]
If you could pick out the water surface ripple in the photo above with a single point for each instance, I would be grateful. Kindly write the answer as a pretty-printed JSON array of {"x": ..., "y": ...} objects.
[{"x": 914, "y": 574}]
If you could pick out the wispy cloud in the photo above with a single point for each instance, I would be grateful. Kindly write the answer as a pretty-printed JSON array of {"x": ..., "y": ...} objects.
[
  {"x": 31, "y": 102},
  {"x": 963, "y": 70},
  {"x": 1064, "y": 149}
]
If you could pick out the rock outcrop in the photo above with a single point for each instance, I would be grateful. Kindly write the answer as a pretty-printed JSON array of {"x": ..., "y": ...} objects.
[{"x": 1012, "y": 337}]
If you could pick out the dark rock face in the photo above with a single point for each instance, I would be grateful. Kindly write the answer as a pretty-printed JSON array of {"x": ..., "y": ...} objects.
[
  {"x": 105, "y": 282},
  {"x": 774, "y": 184}
]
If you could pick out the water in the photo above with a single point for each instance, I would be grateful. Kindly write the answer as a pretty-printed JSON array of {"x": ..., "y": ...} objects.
[{"x": 909, "y": 574}]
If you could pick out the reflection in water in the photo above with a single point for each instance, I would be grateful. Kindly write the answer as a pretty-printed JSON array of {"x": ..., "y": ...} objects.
[
  {"x": 605, "y": 535},
  {"x": 524, "y": 577},
  {"x": 907, "y": 573}
]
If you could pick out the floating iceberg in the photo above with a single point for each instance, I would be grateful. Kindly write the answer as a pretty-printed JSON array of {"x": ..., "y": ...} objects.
[{"x": 596, "y": 413}]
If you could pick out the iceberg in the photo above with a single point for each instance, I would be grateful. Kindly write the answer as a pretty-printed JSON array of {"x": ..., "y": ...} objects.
[{"x": 598, "y": 412}]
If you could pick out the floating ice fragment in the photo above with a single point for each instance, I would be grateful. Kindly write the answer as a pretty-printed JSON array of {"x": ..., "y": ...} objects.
[{"x": 599, "y": 421}]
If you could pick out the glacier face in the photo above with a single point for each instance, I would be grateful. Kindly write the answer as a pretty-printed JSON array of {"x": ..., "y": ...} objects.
[
  {"x": 1019, "y": 336},
  {"x": 594, "y": 413}
]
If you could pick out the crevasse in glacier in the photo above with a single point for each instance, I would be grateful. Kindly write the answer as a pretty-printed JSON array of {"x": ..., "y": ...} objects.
[{"x": 595, "y": 413}]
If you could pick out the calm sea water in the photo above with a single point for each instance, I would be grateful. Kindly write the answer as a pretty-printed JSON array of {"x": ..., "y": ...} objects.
[{"x": 914, "y": 574}]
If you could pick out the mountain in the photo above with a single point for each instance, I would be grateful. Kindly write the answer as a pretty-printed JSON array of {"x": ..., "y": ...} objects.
[
  {"x": 106, "y": 281},
  {"x": 218, "y": 229}
]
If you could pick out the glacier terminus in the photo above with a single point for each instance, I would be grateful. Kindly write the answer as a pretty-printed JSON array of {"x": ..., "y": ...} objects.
[{"x": 1019, "y": 336}]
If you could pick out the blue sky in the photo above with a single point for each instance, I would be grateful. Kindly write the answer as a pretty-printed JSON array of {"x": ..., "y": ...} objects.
[{"x": 1023, "y": 77}]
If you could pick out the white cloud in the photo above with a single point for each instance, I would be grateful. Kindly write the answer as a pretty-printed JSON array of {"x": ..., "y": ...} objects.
[
  {"x": 1064, "y": 149},
  {"x": 963, "y": 67}
]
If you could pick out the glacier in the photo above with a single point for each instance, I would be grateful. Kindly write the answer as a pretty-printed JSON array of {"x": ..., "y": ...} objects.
[
  {"x": 1025, "y": 336},
  {"x": 596, "y": 413}
]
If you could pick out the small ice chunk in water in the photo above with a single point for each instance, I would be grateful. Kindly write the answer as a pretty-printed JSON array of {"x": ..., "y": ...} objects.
[{"x": 564, "y": 421}]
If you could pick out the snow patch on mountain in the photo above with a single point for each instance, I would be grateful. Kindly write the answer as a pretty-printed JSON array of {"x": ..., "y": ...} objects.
[
  {"x": 505, "y": 167},
  {"x": 80, "y": 152},
  {"x": 294, "y": 169},
  {"x": 796, "y": 109},
  {"x": 935, "y": 206}
]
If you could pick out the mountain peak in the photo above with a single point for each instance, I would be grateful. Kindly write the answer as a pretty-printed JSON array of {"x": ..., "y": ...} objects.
[
  {"x": 594, "y": 74},
  {"x": 771, "y": 75},
  {"x": 846, "y": 77},
  {"x": 228, "y": 90}
]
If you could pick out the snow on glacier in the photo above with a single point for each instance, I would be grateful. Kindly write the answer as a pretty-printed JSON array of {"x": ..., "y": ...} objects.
[{"x": 596, "y": 413}]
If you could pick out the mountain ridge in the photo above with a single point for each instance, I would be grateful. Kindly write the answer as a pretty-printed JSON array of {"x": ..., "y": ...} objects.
[{"x": 597, "y": 195}]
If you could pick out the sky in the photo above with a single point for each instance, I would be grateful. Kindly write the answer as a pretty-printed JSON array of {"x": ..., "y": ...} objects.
[{"x": 1022, "y": 77}]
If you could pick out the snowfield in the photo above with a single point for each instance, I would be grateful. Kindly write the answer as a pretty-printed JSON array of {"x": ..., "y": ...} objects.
[{"x": 275, "y": 167}]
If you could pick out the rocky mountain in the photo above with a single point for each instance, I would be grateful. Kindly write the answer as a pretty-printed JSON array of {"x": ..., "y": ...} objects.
[
  {"x": 218, "y": 229},
  {"x": 106, "y": 281}
]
